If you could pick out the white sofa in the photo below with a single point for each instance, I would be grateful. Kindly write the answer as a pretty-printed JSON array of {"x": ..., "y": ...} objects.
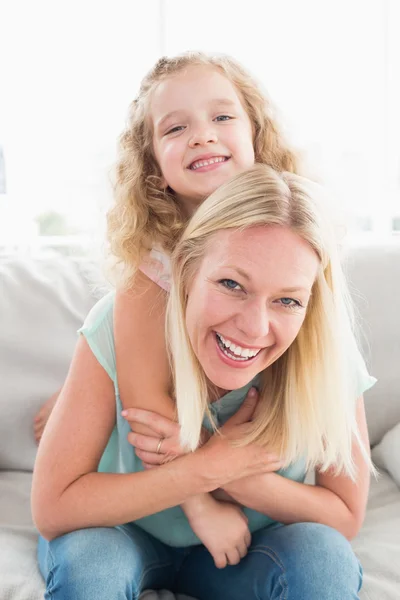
[{"x": 42, "y": 304}]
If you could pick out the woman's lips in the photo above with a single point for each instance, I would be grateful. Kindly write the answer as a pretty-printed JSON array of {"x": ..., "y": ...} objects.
[{"x": 237, "y": 364}]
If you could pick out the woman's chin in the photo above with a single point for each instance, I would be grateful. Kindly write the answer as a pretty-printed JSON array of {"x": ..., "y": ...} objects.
[{"x": 230, "y": 381}]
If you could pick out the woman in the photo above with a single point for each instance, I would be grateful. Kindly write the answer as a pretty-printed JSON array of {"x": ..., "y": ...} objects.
[{"x": 257, "y": 301}]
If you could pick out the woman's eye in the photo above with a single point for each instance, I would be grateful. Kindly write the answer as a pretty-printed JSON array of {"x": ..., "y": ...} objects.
[
  {"x": 223, "y": 118},
  {"x": 290, "y": 303},
  {"x": 175, "y": 129},
  {"x": 230, "y": 284}
]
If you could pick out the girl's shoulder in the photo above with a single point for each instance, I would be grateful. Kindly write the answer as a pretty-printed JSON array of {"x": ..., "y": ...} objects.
[{"x": 157, "y": 266}]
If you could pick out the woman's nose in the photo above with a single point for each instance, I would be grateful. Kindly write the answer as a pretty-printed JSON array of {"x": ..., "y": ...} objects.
[{"x": 254, "y": 321}]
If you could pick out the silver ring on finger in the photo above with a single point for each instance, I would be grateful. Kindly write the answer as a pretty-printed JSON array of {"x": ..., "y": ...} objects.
[{"x": 158, "y": 451}]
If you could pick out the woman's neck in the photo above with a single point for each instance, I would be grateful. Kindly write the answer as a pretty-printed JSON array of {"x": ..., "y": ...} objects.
[{"x": 214, "y": 392}]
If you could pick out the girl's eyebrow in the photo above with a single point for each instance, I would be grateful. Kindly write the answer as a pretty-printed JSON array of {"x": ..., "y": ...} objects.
[
  {"x": 214, "y": 102},
  {"x": 169, "y": 115},
  {"x": 223, "y": 102}
]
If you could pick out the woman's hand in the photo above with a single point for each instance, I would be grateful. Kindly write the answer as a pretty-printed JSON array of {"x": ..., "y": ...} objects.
[
  {"x": 222, "y": 528},
  {"x": 161, "y": 447},
  {"x": 229, "y": 462}
]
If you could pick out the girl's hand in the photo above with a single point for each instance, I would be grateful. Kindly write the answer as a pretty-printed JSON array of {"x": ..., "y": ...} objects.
[
  {"x": 161, "y": 447},
  {"x": 229, "y": 462},
  {"x": 222, "y": 528}
]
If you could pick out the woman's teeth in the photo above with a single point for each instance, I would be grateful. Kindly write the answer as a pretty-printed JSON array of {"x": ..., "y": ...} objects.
[
  {"x": 204, "y": 163},
  {"x": 233, "y": 351}
]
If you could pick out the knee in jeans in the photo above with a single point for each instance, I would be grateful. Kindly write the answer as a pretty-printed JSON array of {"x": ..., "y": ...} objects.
[
  {"x": 324, "y": 548},
  {"x": 96, "y": 553}
]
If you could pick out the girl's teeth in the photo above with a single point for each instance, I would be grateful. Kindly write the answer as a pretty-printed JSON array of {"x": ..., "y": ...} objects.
[{"x": 211, "y": 161}]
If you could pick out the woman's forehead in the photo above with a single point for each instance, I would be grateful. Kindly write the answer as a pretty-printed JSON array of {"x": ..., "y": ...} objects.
[{"x": 261, "y": 250}]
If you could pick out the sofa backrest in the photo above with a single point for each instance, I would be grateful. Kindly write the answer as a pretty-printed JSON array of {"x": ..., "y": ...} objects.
[
  {"x": 373, "y": 272},
  {"x": 43, "y": 303}
]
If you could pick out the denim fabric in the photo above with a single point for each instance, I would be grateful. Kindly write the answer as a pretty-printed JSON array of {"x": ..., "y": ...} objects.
[{"x": 303, "y": 561}]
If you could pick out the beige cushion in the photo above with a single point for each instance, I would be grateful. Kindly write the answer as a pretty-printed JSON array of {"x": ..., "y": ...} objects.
[
  {"x": 386, "y": 454},
  {"x": 374, "y": 273},
  {"x": 42, "y": 304}
]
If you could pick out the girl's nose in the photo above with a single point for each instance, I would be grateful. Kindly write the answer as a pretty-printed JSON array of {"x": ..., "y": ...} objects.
[{"x": 203, "y": 136}]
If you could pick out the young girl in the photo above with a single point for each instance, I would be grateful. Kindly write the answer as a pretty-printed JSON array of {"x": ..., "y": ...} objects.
[{"x": 198, "y": 121}]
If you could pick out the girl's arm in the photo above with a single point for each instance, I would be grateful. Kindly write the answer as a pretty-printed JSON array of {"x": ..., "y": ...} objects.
[
  {"x": 335, "y": 500},
  {"x": 144, "y": 377}
]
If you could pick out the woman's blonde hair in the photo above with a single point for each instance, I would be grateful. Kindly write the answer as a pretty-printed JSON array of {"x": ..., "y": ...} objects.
[
  {"x": 308, "y": 395},
  {"x": 144, "y": 213}
]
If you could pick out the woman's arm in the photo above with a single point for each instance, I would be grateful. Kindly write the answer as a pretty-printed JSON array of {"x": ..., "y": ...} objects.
[
  {"x": 336, "y": 501},
  {"x": 67, "y": 492}
]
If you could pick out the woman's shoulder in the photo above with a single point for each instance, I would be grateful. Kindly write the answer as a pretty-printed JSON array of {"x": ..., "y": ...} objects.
[
  {"x": 101, "y": 313},
  {"x": 98, "y": 330}
]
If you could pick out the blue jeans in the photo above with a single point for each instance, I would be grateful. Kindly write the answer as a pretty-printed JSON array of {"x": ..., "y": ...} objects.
[{"x": 303, "y": 561}]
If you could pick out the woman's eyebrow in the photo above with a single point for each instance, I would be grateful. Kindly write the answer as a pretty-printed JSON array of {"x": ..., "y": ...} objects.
[{"x": 286, "y": 290}]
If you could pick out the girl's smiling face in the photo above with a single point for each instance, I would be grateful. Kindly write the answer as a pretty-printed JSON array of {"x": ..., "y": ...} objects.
[
  {"x": 202, "y": 135},
  {"x": 248, "y": 300}
]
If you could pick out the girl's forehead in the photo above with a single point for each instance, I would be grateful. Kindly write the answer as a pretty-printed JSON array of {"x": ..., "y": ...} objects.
[{"x": 190, "y": 87}]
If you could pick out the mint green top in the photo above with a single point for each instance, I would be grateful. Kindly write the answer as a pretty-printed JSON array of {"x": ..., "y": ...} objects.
[{"x": 171, "y": 526}]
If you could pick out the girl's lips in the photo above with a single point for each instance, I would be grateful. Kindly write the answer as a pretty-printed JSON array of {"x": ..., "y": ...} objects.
[
  {"x": 237, "y": 364},
  {"x": 212, "y": 167}
]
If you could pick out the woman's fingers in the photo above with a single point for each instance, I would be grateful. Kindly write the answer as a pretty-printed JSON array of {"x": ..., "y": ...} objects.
[
  {"x": 152, "y": 458},
  {"x": 161, "y": 426},
  {"x": 146, "y": 442}
]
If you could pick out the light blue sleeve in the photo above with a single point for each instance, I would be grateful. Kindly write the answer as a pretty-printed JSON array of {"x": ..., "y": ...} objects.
[
  {"x": 360, "y": 378},
  {"x": 98, "y": 330}
]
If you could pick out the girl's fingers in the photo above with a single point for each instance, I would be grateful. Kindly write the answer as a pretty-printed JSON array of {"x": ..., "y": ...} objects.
[
  {"x": 220, "y": 560},
  {"x": 242, "y": 549},
  {"x": 233, "y": 557},
  {"x": 247, "y": 538},
  {"x": 161, "y": 426}
]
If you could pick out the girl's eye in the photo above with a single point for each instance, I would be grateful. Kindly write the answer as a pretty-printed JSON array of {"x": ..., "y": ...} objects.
[
  {"x": 223, "y": 118},
  {"x": 290, "y": 303},
  {"x": 175, "y": 129},
  {"x": 230, "y": 284}
]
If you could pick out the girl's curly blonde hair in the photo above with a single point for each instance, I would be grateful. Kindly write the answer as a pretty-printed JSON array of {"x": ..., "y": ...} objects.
[{"x": 144, "y": 213}]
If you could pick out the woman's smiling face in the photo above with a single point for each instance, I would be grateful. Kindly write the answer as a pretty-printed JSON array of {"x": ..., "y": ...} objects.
[{"x": 248, "y": 300}]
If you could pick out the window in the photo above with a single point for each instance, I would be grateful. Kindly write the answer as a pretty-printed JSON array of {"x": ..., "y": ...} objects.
[{"x": 71, "y": 69}]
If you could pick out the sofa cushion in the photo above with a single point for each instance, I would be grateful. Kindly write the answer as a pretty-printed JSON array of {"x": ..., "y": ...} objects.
[
  {"x": 374, "y": 277},
  {"x": 377, "y": 546},
  {"x": 42, "y": 304},
  {"x": 386, "y": 454}
]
